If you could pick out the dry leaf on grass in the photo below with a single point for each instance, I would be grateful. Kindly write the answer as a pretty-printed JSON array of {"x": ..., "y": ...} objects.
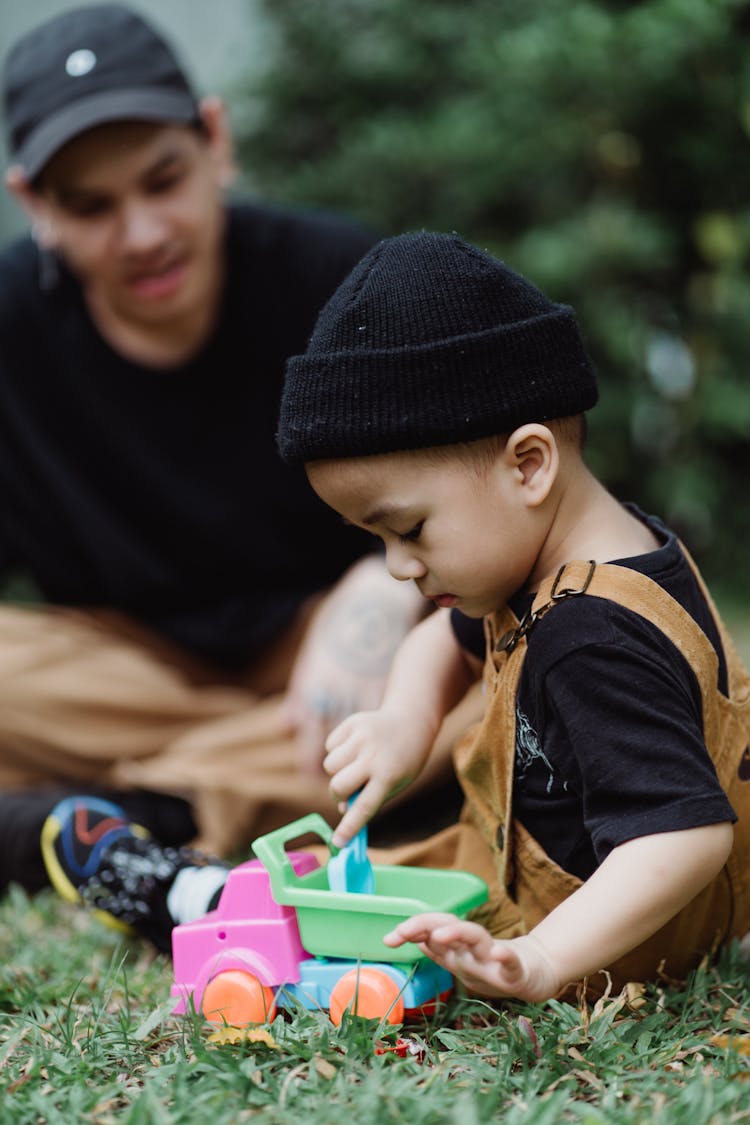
[
  {"x": 244, "y": 1035},
  {"x": 738, "y": 1043},
  {"x": 324, "y": 1068}
]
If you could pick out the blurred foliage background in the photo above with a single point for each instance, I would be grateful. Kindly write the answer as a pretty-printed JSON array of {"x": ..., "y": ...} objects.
[{"x": 600, "y": 147}]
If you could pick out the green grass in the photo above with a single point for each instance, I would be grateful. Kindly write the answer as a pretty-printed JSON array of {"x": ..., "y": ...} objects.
[{"x": 86, "y": 1035}]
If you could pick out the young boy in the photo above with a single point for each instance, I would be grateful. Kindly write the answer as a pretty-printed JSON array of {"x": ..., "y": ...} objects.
[{"x": 439, "y": 405}]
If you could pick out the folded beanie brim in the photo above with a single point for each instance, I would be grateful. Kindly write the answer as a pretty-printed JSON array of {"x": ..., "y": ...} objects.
[{"x": 470, "y": 386}]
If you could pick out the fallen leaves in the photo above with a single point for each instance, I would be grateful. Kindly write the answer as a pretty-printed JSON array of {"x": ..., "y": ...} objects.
[
  {"x": 740, "y": 1044},
  {"x": 224, "y": 1035}
]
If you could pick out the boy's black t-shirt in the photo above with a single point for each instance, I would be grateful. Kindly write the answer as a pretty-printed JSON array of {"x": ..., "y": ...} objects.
[
  {"x": 160, "y": 493},
  {"x": 609, "y": 740}
]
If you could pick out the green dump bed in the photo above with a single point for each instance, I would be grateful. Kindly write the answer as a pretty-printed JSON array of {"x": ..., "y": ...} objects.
[{"x": 334, "y": 924}]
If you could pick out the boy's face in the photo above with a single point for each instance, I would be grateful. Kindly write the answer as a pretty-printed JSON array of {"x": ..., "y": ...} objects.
[
  {"x": 463, "y": 532},
  {"x": 136, "y": 211}
]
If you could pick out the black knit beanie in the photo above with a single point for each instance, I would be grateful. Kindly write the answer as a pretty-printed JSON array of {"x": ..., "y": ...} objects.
[{"x": 430, "y": 341}]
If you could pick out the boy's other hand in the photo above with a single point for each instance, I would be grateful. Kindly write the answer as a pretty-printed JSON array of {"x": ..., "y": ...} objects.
[{"x": 487, "y": 966}]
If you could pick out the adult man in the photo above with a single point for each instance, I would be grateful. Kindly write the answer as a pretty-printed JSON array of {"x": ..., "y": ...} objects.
[{"x": 189, "y": 577}]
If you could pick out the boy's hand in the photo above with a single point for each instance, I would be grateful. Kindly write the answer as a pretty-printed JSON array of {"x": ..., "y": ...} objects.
[
  {"x": 379, "y": 752},
  {"x": 639, "y": 886},
  {"x": 520, "y": 967}
]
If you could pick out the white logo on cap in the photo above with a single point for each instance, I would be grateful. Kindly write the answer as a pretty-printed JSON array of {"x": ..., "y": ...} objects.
[{"x": 80, "y": 62}]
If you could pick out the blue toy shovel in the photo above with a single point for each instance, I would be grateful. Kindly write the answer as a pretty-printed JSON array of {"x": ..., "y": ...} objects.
[{"x": 350, "y": 869}]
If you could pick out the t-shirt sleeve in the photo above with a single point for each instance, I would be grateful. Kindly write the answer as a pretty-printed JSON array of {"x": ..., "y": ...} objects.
[{"x": 633, "y": 726}]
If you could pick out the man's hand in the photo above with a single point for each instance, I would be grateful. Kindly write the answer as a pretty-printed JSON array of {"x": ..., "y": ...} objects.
[
  {"x": 344, "y": 660},
  {"x": 519, "y": 967}
]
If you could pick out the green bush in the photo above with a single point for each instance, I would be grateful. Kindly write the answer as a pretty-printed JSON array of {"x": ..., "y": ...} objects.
[{"x": 600, "y": 147}]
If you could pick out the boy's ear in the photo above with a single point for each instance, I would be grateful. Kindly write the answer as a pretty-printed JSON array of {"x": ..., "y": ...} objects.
[{"x": 532, "y": 455}]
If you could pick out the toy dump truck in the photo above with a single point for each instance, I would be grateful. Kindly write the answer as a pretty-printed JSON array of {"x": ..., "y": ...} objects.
[{"x": 280, "y": 937}]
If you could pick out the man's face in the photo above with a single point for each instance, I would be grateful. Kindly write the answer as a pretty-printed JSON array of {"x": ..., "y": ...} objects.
[
  {"x": 136, "y": 211},
  {"x": 460, "y": 532}
]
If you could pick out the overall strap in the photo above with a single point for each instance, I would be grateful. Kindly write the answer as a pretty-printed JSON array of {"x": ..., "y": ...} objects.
[
  {"x": 640, "y": 594},
  {"x": 634, "y": 591},
  {"x": 739, "y": 681}
]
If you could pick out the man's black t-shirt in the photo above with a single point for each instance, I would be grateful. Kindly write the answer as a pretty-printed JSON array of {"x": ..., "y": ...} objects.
[
  {"x": 609, "y": 740},
  {"x": 160, "y": 493}
]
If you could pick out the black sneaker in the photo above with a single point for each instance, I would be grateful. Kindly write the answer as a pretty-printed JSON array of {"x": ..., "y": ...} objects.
[
  {"x": 75, "y": 836},
  {"x": 23, "y": 813},
  {"x": 95, "y": 855}
]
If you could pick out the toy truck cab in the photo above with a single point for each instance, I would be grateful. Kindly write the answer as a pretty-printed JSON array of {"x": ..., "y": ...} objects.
[{"x": 247, "y": 947}]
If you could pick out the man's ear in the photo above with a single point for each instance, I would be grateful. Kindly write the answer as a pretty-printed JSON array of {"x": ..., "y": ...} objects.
[
  {"x": 216, "y": 124},
  {"x": 34, "y": 204},
  {"x": 532, "y": 455}
]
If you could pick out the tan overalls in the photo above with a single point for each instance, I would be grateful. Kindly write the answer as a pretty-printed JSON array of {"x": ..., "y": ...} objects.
[
  {"x": 530, "y": 885},
  {"x": 525, "y": 884}
]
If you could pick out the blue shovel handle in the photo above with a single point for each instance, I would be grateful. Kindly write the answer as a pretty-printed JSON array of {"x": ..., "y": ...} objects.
[{"x": 350, "y": 869}]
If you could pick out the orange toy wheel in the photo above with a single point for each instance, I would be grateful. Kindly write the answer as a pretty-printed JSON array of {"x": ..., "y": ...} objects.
[
  {"x": 237, "y": 998},
  {"x": 367, "y": 992}
]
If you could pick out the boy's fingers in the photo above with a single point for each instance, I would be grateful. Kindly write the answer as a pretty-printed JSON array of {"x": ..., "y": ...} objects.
[
  {"x": 339, "y": 734},
  {"x": 485, "y": 965},
  {"x": 339, "y": 748},
  {"x": 334, "y": 739},
  {"x": 418, "y": 928},
  {"x": 460, "y": 932},
  {"x": 335, "y": 760},
  {"x": 347, "y": 778},
  {"x": 359, "y": 812}
]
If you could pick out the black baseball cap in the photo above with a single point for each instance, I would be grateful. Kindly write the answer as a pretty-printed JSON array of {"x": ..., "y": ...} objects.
[{"x": 83, "y": 68}]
